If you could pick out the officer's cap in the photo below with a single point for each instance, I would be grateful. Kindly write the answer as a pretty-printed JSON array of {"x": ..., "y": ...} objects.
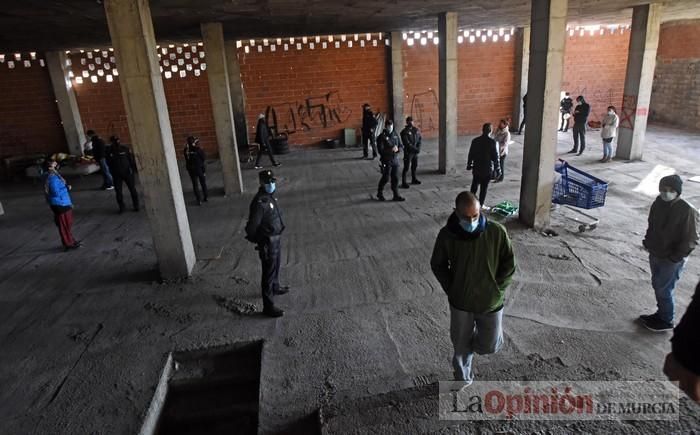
[{"x": 266, "y": 176}]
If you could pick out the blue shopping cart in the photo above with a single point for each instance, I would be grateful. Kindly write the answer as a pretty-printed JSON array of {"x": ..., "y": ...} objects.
[{"x": 576, "y": 188}]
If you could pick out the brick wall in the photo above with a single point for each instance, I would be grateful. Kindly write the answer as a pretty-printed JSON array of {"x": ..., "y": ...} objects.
[
  {"x": 675, "y": 97},
  {"x": 314, "y": 93},
  {"x": 485, "y": 86},
  {"x": 29, "y": 119},
  {"x": 595, "y": 67}
]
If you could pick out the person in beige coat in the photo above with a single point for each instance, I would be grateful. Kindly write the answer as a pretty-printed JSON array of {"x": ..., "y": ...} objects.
[{"x": 608, "y": 132}]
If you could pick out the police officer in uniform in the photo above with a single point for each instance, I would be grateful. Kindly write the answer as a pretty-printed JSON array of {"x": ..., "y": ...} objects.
[
  {"x": 389, "y": 147},
  {"x": 123, "y": 168},
  {"x": 264, "y": 228},
  {"x": 195, "y": 164},
  {"x": 411, "y": 139},
  {"x": 369, "y": 123}
]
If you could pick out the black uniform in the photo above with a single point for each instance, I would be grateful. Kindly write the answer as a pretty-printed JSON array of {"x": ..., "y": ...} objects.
[
  {"x": 389, "y": 162},
  {"x": 123, "y": 168},
  {"x": 580, "y": 119},
  {"x": 262, "y": 137},
  {"x": 265, "y": 227},
  {"x": 565, "y": 106},
  {"x": 484, "y": 162},
  {"x": 369, "y": 123},
  {"x": 196, "y": 167},
  {"x": 522, "y": 124},
  {"x": 411, "y": 139}
]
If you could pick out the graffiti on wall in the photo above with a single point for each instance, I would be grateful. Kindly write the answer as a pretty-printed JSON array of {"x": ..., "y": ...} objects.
[
  {"x": 424, "y": 110},
  {"x": 316, "y": 112}
]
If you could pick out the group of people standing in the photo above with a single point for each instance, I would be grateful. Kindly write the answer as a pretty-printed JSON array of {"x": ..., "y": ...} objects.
[{"x": 581, "y": 112}]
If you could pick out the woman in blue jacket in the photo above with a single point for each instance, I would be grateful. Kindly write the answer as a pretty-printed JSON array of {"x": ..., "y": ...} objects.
[{"x": 57, "y": 196}]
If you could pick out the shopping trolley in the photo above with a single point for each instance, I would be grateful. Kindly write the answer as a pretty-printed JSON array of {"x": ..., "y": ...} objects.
[{"x": 575, "y": 188}]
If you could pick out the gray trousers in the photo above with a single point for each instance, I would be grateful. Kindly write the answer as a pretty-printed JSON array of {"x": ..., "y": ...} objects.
[{"x": 473, "y": 332}]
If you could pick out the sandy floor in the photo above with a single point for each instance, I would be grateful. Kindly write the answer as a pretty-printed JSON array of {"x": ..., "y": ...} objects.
[{"x": 85, "y": 334}]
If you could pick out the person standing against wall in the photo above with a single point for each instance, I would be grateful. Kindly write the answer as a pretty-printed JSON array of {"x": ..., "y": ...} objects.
[
  {"x": 608, "y": 132},
  {"x": 196, "y": 167},
  {"x": 565, "y": 106},
  {"x": 262, "y": 137},
  {"x": 522, "y": 124},
  {"x": 581, "y": 113},
  {"x": 484, "y": 162},
  {"x": 57, "y": 194},
  {"x": 369, "y": 124},
  {"x": 502, "y": 138},
  {"x": 99, "y": 153},
  {"x": 411, "y": 139}
]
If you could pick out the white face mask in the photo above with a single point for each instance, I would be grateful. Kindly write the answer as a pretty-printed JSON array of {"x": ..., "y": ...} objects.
[
  {"x": 390, "y": 129},
  {"x": 610, "y": 112},
  {"x": 668, "y": 196}
]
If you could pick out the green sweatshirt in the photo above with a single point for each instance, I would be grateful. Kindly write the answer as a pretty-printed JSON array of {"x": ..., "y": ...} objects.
[{"x": 474, "y": 269}]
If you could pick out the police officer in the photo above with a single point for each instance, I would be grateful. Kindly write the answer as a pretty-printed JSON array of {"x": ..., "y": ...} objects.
[
  {"x": 369, "y": 124},
  {"x": 389, "y": 147},
  {"x": 265, "y": 228},
  {"x": 123, "y": 168},
  {"x": 195, "y": 164},
  {"x": 262, "y": 137},
  {"x": 411, "y": 139}
]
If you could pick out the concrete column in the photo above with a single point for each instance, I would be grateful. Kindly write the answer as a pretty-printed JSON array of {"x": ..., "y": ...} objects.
[
  {"x": 220, "y": 92},
  {"x": 237, "y": 94},
  {"x": 644, "y": 39},
  {"x": 547, "y": 41},
  {"x": 131, "y": 30},
  {"x": 522, "y": 66},
  {"x": 447, "y": 60},
  {"x": 397, "y": 78},
  {"x": 56, "y": 61}
]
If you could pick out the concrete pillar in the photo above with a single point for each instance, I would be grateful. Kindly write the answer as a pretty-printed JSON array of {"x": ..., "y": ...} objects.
[
  {"x": 237, "y": 94},
  {"x": 644, "y": 39},
  {"x": 547, "y": 41},
  {"x": 397, "y": 78},
  {"x": 220, "y": 92},
  {"x": 65, "y": 99},
  {"x": 447, "y": 100},
  {"x": 131, "y": 30},
  {"x": 522, "y": 66}
]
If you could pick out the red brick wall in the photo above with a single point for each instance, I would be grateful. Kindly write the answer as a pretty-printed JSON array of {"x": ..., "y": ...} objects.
[
  {"x": 485, "y": 86},
  {"x": 679, "y": 40},
  {"x": 302, "y": 86},
  {"x": 29, "y": 119},
  {"x": 595, "y": 67}
]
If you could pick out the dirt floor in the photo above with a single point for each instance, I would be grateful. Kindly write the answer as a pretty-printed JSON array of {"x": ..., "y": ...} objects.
[{"x": 85, "y": 334}]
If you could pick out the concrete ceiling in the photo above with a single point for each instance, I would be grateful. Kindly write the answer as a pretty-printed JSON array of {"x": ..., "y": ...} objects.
[{"x": 38, "y": 25}]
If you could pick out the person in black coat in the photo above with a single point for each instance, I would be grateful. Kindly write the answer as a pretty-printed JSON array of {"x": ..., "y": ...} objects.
[
  {"x": 369, "y": 124},
  {"x": 262, "y": 137},
  {"x": 683, "y": 363},
  {"x": 98, "y": 149},
  {"x": 411, "y": 139},
  {"x": 581, "y": 113},
  {"x": 196, "y": 167},
  {"x": 484, "y": 162},
  {"x": 264, "y": 228},
  {"x": 522, "y": 124},
  {"x": 389, "y": 147},
  {"x": 123, "y": 168}
]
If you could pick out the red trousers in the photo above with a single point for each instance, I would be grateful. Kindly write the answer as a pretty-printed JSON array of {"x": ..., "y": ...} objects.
[{"x": 64, "y": 222}]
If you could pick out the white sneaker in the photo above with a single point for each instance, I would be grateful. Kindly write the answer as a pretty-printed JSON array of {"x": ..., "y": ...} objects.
[
  {"x": 109, "y": 188},
  {"x": 485, "y": 208}
]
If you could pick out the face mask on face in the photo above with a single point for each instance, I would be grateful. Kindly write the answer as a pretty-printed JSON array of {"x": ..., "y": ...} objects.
[
  {"x": 270, "y": 187},
  {"x": 390, "y": 129},
  {"x": 610, "y": 112},
  {"x": 469, "y": 225},
  {"x": 668, "y": 196}
]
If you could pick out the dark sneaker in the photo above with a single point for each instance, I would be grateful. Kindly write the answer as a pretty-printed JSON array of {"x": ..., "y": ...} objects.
[
  {"x": 273, "y": 312},
  {"x": 282, "y": 290},
  {"x": 572, "y": 151},
  {"x": 645, "y": 317},
  {"x": 416, "y": 182},
  {"x": 381, "y": 197},
  {"x": 655, "y": 324},
  {"x": 75, "y": 245},
  {"x": 277, "y": 164},
  {"x": 205, "y": 199},
  {"x": 398, "y": 198},
  {"x": 404, "y": 186}
]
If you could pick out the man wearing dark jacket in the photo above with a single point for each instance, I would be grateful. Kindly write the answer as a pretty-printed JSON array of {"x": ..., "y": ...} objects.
[
  {"x": 474, "y": 263},
  {"x": 369, "y": 124},
  {"x": 565, "y": 106},
  {"x": 389, "y": 147},
  {"x": 264, "y": 228},
  {"x": 411, "y": 139},
  {"x": 522, "y": 124},
  {"x": 581, "y": 113},
  {"x": 671, "y": 237},
  {"x": 683, "y": 363},
  {"x": 196, "y": 167},
  {"x": 99, "y": 153},
  {"x": 262, "y": 137},
  {"x": 483, "y": 161},
  {"x": 123, "y": 168}
]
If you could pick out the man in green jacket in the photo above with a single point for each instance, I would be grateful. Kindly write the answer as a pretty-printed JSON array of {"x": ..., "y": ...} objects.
[{"x": 473, "y": 261}]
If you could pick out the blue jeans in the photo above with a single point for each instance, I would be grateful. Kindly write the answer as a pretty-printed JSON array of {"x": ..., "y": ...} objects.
[
  {"x": 106, "y": 175},
  {"x": 473, "y": 332},
  {"x": 664, "y": 276},
  {"x": 607, "y": 148}
]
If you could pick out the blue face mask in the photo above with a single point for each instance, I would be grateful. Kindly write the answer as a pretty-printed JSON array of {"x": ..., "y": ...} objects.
[
  {"x": 270, "y": 187},
  {"x": 469, "y": 225}
]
